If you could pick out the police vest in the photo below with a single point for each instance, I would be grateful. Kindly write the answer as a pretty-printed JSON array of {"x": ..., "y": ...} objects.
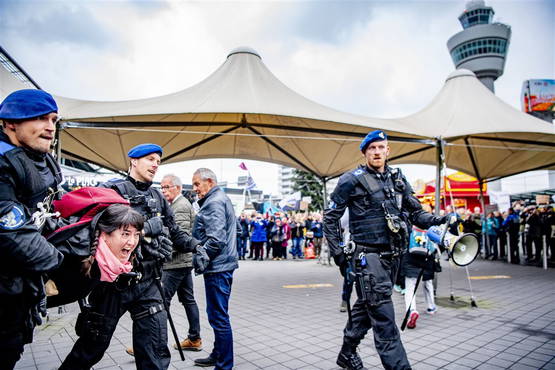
[
  {"x": 29, "y": 186},
  {"x": 367, "y": 222},
  {"x": 147, "y": 202}
]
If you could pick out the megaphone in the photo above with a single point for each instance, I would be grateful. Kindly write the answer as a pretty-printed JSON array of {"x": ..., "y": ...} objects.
[{"x": 462, "y": 249}]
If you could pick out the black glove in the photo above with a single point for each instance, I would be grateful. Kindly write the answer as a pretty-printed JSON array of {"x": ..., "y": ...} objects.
[
  {"x": 200, "y": 260},
  {"x": 153, "y": 226},
  {"x": 159, "y": 248},
  {"x": 341, "y": 261}
]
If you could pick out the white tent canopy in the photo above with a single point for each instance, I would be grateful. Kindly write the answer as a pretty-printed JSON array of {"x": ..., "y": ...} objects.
[
  {"x": 9, "y": 83},
  {"x": 241, "y": 110},
  {"x": 483, "y": 135}
]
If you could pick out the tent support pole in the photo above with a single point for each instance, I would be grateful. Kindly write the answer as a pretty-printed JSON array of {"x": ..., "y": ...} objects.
[
  {"x": 439, "y": 167},
  {"x": 58, "y": 143},
  {"x": 324, "y": 193},
  {"x": 485, "y": 240}
]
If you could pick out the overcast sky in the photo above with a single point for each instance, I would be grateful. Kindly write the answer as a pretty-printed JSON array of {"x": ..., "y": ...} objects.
[{"x": 375, "y": 58}]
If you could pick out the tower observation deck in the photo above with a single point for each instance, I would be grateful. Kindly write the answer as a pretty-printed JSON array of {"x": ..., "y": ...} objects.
[{"x": 482, "y": 45}]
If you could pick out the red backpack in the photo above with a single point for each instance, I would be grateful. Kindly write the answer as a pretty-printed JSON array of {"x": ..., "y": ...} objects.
[{"x": 79, "y": 211}]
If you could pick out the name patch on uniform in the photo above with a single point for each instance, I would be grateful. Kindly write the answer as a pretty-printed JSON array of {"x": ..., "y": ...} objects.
[
  {"x": 14, "y": 219},
  {"x": 358, "y": 172}
]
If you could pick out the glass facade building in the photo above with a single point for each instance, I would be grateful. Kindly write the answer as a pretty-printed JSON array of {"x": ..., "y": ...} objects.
[{"x": 479, "y": 47}]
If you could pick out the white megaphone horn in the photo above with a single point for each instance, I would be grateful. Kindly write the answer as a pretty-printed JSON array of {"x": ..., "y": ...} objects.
[{"x": 462, "y": 249}]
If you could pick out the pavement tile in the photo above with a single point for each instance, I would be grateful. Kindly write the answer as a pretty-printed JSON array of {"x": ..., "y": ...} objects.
[
  {"x": 424, "y": 366},
  {"x": 437, "y": 362},
  {"x": 519, "y": 366},
  {"x": 532, "y": 362},
  {"x": 509, "y": 357},
  {"x": 500, "y": 362},
  {"x": 447, "y": 356},
  {"x": 468, "y": 362},
  {"x": 455, "y": 366},
  {"x": 488, "y": 366}
]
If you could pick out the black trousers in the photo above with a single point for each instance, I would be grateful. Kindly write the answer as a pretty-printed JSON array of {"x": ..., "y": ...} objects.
[
  {"x": 380, "y": 318},
  {"x": 180, "y": 280},
  {"x": 538, "y": 246},
  {"x": 258, "y": 248},
  {"x": 16, "y": 328},
  {"x": 150, "y": 335},
  {"x": 276, "y": 249},
  {"x": 513, "y": 248}
]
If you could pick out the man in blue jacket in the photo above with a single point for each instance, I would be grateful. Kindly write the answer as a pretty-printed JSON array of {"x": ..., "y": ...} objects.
[{"x": 216, "y": 227}]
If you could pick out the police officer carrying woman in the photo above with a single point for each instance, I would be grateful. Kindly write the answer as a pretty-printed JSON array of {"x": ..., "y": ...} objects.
[
  {"x": 381, "y": 208},
  {"x": 140, "y": 295},
  {"x": 29, "y": 179}
]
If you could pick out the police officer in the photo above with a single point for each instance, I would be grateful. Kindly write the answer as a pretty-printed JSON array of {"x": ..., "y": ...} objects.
[
  {"x": 140, "y": 296},
  {"x": 29, "y": 179},
  {"x": 381, "y": 204}
]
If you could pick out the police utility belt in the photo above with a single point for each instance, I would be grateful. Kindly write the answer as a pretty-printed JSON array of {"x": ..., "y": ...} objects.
[{"x": 384, "y": 251}]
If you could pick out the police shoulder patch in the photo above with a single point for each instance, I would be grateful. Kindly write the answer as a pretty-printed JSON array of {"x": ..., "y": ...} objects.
[
  {"x": 14, "y": 219},
  {"x": 5, "y": 147},
  {"x": 358, "y": 172}
]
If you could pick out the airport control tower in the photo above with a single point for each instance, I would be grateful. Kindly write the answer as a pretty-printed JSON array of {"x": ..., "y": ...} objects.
[{"x": 482, "y": 45}]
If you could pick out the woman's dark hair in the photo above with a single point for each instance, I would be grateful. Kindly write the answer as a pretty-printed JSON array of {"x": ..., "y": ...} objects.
[
  {"x": 113, "y": 217},
  {"x": 117, "y": 216}
]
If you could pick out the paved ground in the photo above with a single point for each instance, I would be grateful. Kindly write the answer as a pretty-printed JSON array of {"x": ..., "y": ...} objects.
[{"x": 300, "y": 328}]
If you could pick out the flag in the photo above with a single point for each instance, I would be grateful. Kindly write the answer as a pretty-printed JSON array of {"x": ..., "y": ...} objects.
[
  {"x": 250, "y": 183},
  {"x": 243, "y": 166}
]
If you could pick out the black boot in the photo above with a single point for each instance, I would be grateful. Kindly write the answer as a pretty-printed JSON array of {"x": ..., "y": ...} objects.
[
  {"x": 205, "y": 362},
  {"x": 349, "y": 359}
]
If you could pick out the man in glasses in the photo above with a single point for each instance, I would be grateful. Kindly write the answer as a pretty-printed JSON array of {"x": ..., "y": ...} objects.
[
  {"x": 177, "y": 275},
  {"x": 29, "y": 179}
]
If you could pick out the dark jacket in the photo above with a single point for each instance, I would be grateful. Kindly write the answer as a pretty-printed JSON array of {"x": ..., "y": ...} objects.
[
  {"x": 24, "y": 253},
  {"x": 296, "y": 231},
  {"x": 216, "y": 228},
  {"x": 276, "y": 234},
  {"x": 366, "y": 203},
  {"x": 317, "y": 229},
  {"x": 244, "y": 223},
  {"x": 512, "y": 223},
  {"x": 534, "y": 225}
]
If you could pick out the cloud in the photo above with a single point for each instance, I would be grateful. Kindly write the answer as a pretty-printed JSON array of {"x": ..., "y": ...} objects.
[
  {"x": 46, "y": 23},
  {"x": 329, "y": 21}
]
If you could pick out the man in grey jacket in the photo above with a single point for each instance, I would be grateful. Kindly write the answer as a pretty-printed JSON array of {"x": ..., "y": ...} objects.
[
  {"x": 177, "y": 275},
  {"x": 216, "y": 227}
]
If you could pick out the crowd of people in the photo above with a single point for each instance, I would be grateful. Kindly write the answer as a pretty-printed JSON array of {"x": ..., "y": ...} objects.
[
  {"x": 276, "y": 236},
  {"x": 516, "y": 235}
]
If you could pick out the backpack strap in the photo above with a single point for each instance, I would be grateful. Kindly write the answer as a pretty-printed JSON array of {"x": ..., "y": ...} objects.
[{"x": 369, "y": 182}]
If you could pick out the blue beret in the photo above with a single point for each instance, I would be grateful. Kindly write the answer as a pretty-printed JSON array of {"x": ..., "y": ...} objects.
[
  {"x": 377, "y": 135},
  {"x": 144, "y": 149},
  {"x": 28, "y": 103}
]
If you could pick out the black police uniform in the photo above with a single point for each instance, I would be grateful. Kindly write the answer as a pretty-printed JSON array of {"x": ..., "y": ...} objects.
[
  {"x": 26, "y": 178},
  {"x": 109, "y": 301},
  {"x": 371, "y": 197}
]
